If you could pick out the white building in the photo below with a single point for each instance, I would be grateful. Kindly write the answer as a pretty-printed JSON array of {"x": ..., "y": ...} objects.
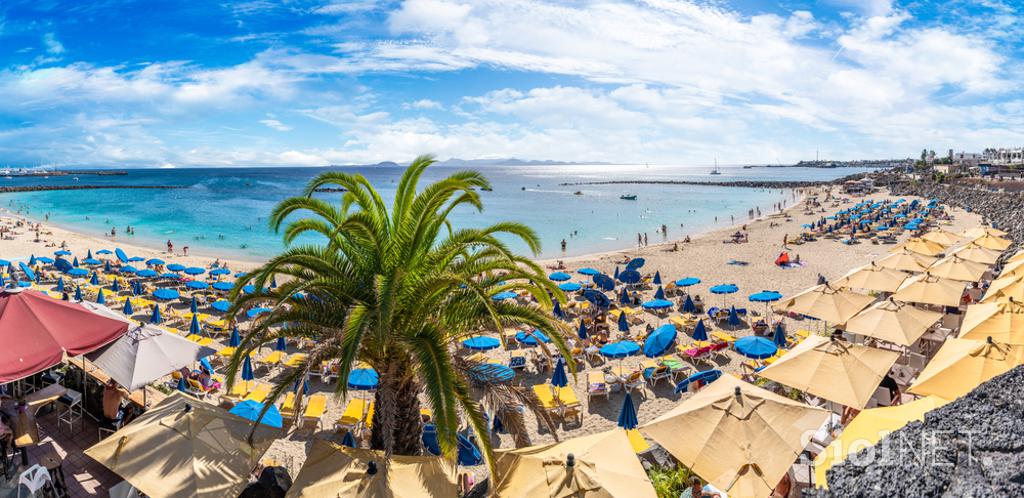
[{"x": 1004, "y": 156}]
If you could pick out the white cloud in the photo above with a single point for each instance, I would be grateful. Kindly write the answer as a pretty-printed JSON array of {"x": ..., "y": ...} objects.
[
  {"x": 275, "y": 124},
  {"x": 52, "y": 45},
  {"x": 423, "y": 104}
]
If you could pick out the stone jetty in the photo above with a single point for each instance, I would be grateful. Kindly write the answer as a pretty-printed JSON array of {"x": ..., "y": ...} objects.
[{"x": 41, "y": 188}]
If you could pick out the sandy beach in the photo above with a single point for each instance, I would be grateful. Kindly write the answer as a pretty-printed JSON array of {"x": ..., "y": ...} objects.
[{"x": 749, "y": 265}]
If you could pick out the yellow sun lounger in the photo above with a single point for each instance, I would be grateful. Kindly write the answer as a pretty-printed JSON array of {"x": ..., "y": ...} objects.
[
  {"x": 198, "y": 339},
  {"x": 272, "y": 358},
  {"x": 226, "y": 351},
  {"x": 369, "y": 416},
  {"x": 353, "y": 415},
  {"x": 259, "y": 394},
  {"x": 315, "y": 409},
  {"x": 637, "y": 441},
  {"x": 288, "y": 408},
  {"x": 239, "y": 390},
  {"x": 295, "y": 360},
  {"x": 545, "y": 396}
]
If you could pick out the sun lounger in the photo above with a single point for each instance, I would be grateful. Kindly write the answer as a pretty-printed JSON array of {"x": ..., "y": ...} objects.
[
  {"x": 226, "y": 352},
  {"x": 288, "y": 408},
  {"x": 259, "y": 393},
  {"x": 569, "y": 404},
  {"x": 546, "y": 397},
  {"x": 295, "y": 360},
  {"x": 655, "y": 371},
  {"x": 353, "y": 415},
  {"x": 368, "y": 421},
  {"x": 195, "y": 388},
  {"x": 239, "y": 390},
  {"x": 634, "y": 381},
  {"x": 200, "y": 340},
  {"x": 722, "y": 336},
  {"x": 315, "y": 409},
  {"x": 596, "y": 385}
]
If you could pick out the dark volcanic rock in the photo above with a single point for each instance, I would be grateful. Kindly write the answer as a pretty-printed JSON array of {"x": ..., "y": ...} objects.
[{"x": 972, "y": 447}]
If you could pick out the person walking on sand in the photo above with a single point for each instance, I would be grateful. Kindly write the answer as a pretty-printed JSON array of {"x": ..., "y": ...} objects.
[
  {"x": 785, "y": 241},
  {"x": 170, "y": 247},
  {"x": 184, "y": 251},
  {"x": 563, "y": 245}
]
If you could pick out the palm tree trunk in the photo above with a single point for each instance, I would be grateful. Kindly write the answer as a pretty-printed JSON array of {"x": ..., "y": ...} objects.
[{"x": 399, "y": 390}]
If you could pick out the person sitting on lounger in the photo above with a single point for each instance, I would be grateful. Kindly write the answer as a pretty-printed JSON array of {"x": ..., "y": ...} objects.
[{"x": 698, "y": 490}]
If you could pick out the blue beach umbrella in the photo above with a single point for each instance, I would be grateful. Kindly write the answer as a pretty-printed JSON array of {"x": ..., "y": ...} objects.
[
  {"x": 504, "y": 295},
  {"x": 588, "y": 271},
  {"x": 616, "y": 275},
  {"x": 147, "y": 273},
  {"x": 175, "y": 267},
  {"x": 707, "y": 376},
  {"x": 257, "y": 311},
  {"x": 166, "y": 294},
  {"x": 657, "y": 304},
  {"x": 42, "y": 259},
  {"x": 197, "y": 284},
  {"x": 60, "y": 284},
  {"x": 303, "y": 385},
  {"x": 556, "y": 310},
  {"x": 624, "y": 296},
  {"x": 688, "y": 306},
  {"x": 659, "y": 341},
  {"x": 168, "y": 275},
  {"x": 635, "y": 264},
  {"x": 193, "y": 305},
  {"x": 532, "y": 338},
  {"x": 106, "y": 266},
  {"x": 765, "y": 297},
  {"x": 657, "y": 278},
  {"x": 581, "y": 331},
  {"x": 250, "y": 410},
  {"x": 247, "y": 369},
  {"x": 734, "y": 317},
  {"x": 62, "y": 252},
  {"x": 221, "y": 305},
  {"x": 95, "y": 279},
  {"x": 755, "y": 347},
  {"x": 137, "y": 288},
  {"x": 779, "y": 337},
  {"x": 481, "y": 343},
  {"x": 469, "y": 454},
  {"x": 627, "y": 414},
  {"x": 281, "y": 344},
  {"x": 597, "y": 298},
  {"x": 194, "y": 328},
  {"x": 620, "y": 349},
  {"x": 104, "y": 251},
  {"x": 570, "y": 286},
  {"x": 273, "y": 282},
  {"x": 491, "y": 373},
  {"x": 363, "y": 379},
  {"x": 660, "y": 293},
  {"x": 558, "y": 378},
  {"x": 116, "y": 287},
  {"x": 182, "y": 386},
  {"x": 223, "y": 286},
  {"x": 194, "y": 270},
  {"x": 78, "y": 294},
  {"x": 559, "y": 276},
  {"x": 629, "y": 276},
  {"x": 155, "y": 317},
  {"x": 89, "y": 261},
  {"x": 73, "y": 262},
  {"x": 128, "y": 310},
  {"x": 235, "y": 339},
  {"x": 129, "y": 269},
  {"x": 724, "y": 289},
  {"x": 348, "y": 440},
  {"x": 136, "y": 259},
  {"x": 155, "y": 262},
  {"x": 700, "y": 333},
  {"x": 88, "y": 253},
  {"x": 100, "y": 299},
  {"x": 623, "y": 323},
  {"x": 219, "y": 271},
  {"x": 604, "y": 282}
]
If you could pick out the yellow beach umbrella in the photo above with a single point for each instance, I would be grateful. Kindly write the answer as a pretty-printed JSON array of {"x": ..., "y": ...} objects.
[
  {"x": 954, "y": 267},
  {"x": 1012, "y": 268},
  {"x": 185, "y": 447},
  {"x": 906, "y": 261},
  {"x": 1005, "y": 288},
  {"x": 1002, "y": 321},
  {"x": 960, "y": 365},
  {"x": 992, "y": 242},
  {"x": 977, "y": 253},
  {"x": 873, "y": 277},
  {"x": 942, "y": 237},
  {"x": 928, "y": 289},
  {"x": 1018, "y": 256},
  {"x": 824, "y": 302},
  {"x": 921, "y": 246},
  {"x": 833, "y": 369},
  {"x": 600, "y": 465},
  {"x": 737, "y": 436},
  {"x": 867, "y": 429},
  {"x": 331, "y": 470},
  {"x": 892, "y": 321},
  {"x": 973, "y": 233}
]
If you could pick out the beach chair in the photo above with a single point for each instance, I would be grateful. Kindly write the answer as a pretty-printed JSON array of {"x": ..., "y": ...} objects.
[
  {"x": 238, "y": 391},
  {"x": 655, "y": 371},
  {"x": 200, "y": 340},
  {"x": 517, "y": 362},
  {"x": 634, "y": 381},
  {"x": 352, "y": 416},
  {"x": 546, "y": 397},
  {"x": 271, "y": 359},
  {"x": 289, "y": 408},
  {"x": 195, "y": 388},
  {"x": 596, "y": 385},
  {"x": 315, "y": 409},
  {"x": 717, "y": 350},
  {"x": 569, "y": 405},
  {"x": 295, "y": 360},
  {"x": 368, "y": 419},
  {"x": 259, "y": 393}
]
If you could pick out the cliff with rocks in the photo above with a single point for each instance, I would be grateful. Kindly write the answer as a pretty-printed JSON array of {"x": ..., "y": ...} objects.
[{"x": 970, "y": 447}]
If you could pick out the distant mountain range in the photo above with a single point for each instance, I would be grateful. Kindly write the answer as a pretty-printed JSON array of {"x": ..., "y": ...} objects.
[{"x": 475, "y": 163}]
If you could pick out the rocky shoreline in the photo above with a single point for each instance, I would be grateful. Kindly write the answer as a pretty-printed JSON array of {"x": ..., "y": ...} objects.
[{"x": 43, "y": 188}]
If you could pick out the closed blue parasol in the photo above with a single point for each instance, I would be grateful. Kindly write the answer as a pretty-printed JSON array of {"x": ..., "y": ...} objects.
[
  {"x": 95, "y": 279},
  {"x": 257, "y": 311},
  {"x": 660, "y": 293},
  {"x": 155, "y": 317},
  {"x": 659, "y": 341},
  {"x": 250, "y": 410},
  {"x": 247, "y": 369},
  {"x": 100, "y": 299},
  {"x": 194, "y": 270},
  {"x": 175, "y": 267},
  {"x": 655, "y": 304},
  {"x": 559, "y": 276},
  {"x": 348, "y": 440},
  {"x": 193, "y": 305},
  {"x": 481, "y": 343},
  {"x": 688, "y": 306},
  {"x": 627, "y": 414},
  {"x": 128, "y": 310},
  {"x": 194, "y": 328},
  {"x": 657, "y": 278},
  {"x": 182, "y": 386},
  {"x": 623, "y": 323},
  {"x": 616, "y": 275},
  {"x": 235, "y": 340},
  {"x": 570, "y": 286},
  {"x": 363, "y": 379},
  {"x": 556, "y": 310},
  {"x": 755, "y": 347},
  {"x": 531, "y": 338},
  {"x": 700, "y": 333},
  {"x": 629, "y": 276},
  {"x": 620, "y": 349},
  {"x": 779, "y": 337},
  {"x": 281, "y": 344},
  {"x": 734, "y": 317},
  {"x": 221, "y": 305},
  {"x": 106, "y": 266},
  {"x": 78, "y": 294},
  {"x": 635, "y": 264},
  {"x": 707, "y": 376},
  {"x": 581, "y": 331},
  {"x": 559, "y": 378},
  {"x": 624, "y": 297},
  {"x": 588, "y": 271},
  {"x": 60, "y": 284},
  {"x": 469, "y": 454},
  {"x": 196, "y": 284},
  {"x": 501, "y": 296},
  {"x": 165, "y": 294},
  {"x": 223, "y": 286}
]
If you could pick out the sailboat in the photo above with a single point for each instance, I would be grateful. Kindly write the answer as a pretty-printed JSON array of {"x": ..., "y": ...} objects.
[{"x": 716, "y": 171}]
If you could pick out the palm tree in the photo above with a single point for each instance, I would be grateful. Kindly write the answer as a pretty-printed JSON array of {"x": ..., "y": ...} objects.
[{"x": 398, "y": 290}]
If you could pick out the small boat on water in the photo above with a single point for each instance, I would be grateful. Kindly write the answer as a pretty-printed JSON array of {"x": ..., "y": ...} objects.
[
  {"x": 628, "y": 197},
  {"x": 716, "y": 171}
]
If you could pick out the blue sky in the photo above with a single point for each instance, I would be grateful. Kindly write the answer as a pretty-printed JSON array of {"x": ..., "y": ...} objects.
[{"x": 304, "y": 82}]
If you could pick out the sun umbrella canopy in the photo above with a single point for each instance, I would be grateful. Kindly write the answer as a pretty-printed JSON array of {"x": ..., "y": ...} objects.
[
  {"x": 204, "y": 451},
  {"x": 978, "y": 254},
  {"x": 873, "y": 277},
  {"x": 166, "y": 294},
  {"x": 706, "y": 376},
  {"x": 992, "y": 242},
  {"x": 559, "y": 276},
  {"x": 604, "y": 282},
  {"x": 253, "y": 313},
  {"x": 570, "y": 286},
  {"x": 55, "y": 327},
  {"x": 928, "y": 289},
  {"x": 659, "y": 341},
  {"x": 588, "y": 271},
  {"x": 62, "y": 252},
  {"x": 629, "y": 276},
  {"x": 147, "y": 273},
  {"x": 921, "y": 246},
  {"x": 973, "y": 233},
  {"x": 221, "y": 305},
  {"x": 531, "y": 338},
  {"x": 635, "y": 264},
  {"x": 1002, "y": 321},
  {"x": 956, "y": 268},
  {"x": 175, "y": 267},
  {"x": 603, "y": 466},
  {"x": 825, "y": 302},
  {"x": 906, "y": 261},
  {"x": 504, "y": 295},
  {"x": 960, "y": 365},
  {"x": 1005, "y": 288},
  {"x": 620, "y": 349},
  {"x": 129, "y": 269},
  {"x": 194, "y": 270},
  {"x": 155, "y": 262},
  {"x": 894, "y": 322},
  {"x": 724, "y": 289},
  {"x": 657, "y": 304},
  {"x": 737, "y": 436},
  {"x": 363, "y": 379},
  {"x": 78, "y": 272},
  {"x": 869, "y": 427},
  {"x": 765, "y": 297},
  {"x": 220, "y": 271},
  {"x": 491, "y": 373},
  {"x": 688, "y": 281},
  {"x": 833, "y": 369},
  {"x": 481, "y": 343},
  {"x": 755, "y": 347},
  {"x": 250, "y": 410},
  {"x": 942, "y": 237},
  {"x": 196, "y": 284}
]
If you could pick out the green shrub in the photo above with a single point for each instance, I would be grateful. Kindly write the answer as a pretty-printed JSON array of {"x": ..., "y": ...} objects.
[{"x": 669, "y": 482}]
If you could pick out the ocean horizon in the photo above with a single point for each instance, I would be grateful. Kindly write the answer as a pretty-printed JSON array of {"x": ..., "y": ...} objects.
[{"x": 223, "y": 211}]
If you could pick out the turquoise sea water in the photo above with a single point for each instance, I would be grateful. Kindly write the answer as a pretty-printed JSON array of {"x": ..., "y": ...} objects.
[{"x": 223, "y": 212}]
